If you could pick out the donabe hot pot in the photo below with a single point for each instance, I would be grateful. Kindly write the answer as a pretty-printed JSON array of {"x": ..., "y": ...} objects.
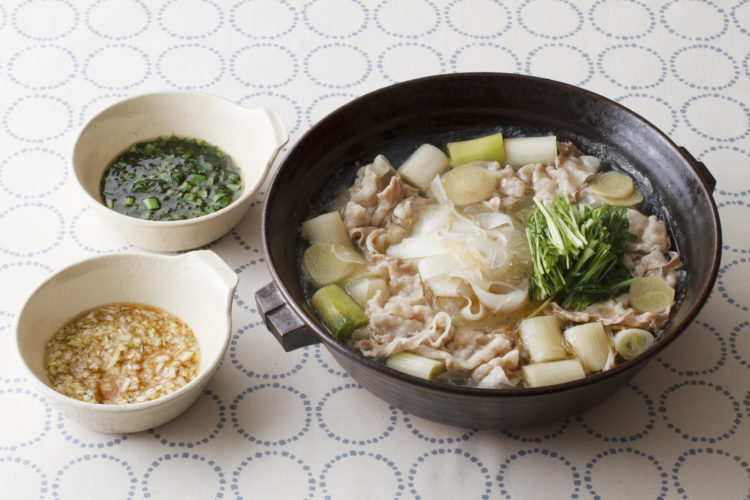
[{"x": 397, "y": 119}]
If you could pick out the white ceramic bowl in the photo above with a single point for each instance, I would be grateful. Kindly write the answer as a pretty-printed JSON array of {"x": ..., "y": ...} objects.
[
  {"x": 252, "y": 137},
  {"x": 197, "y": 287}
]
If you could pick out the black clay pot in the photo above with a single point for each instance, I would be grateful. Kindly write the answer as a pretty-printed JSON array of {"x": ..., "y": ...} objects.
[{"x": 394, "y": 121}]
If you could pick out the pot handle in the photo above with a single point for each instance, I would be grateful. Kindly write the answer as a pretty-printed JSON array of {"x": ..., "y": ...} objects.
[
  {"x": 703, "y": 171},
  {"x": 289, "y": 330}
]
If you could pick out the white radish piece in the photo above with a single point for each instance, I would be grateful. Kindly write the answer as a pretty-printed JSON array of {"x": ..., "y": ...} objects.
[
  {"x": 552, "y": 372},
  {"x": 630, "y": 342},
  {"x": 469, "y": 184},
  {"x": 326, "y": 228},
  {"x": 423, "y": 165},
  {"x": 542, "y": 338},
  {"x": 630, "y": 201},
  {"x": 651, "y": 294},
  {"x": 364, "y": 289},
  {"x": 524, "y": 150},
  {"x": 590, "y": 344}
]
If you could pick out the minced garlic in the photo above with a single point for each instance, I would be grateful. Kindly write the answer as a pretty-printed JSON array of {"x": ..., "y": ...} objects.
[{"x": 122, "y": 353}]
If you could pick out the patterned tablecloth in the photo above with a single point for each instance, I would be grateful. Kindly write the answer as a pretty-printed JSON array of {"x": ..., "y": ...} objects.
[{"x": 293, "y": 425}]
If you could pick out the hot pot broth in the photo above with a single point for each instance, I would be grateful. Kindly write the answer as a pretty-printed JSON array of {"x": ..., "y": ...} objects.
[{"x": 384, "y": 277}]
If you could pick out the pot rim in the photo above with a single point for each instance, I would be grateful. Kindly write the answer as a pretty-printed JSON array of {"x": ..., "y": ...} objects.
[{"x": 662, "y": 342}]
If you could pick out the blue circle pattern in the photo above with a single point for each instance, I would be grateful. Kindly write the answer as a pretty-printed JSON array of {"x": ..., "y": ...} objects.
[
  {"x": 695, "y": 129},
  {"x": 3, "y": 17},
  {"x": 87, "y": 21},
  {"x": 297, "y": 108},
  {"x": 68, "y": 125},
  {"x": 233, "y": 22},
  {"x": 76, "y": 441},
  {"x": 72, "y": 232},
  {"x": 603, "y": 70},
  {"x": 88, "y": 458},
  {"x": 103, "y": 97},
  {"x": 59, "y": 84},
  {"x": 38, "y": 195},
  {"x": 14, "y": 21},
  {"x": 612, "y": 451},
  {"x": 693, "y": 373},
  {"x": 576, "y": 29},
  {"x": 736, "y": 149},
  {"x": 214, "y": 80},
  {"x": 212, "y": 31},
  {"x": 659, "y": 100},
  {"x": 457, "y": 53},
  {"x": 235, "y": 359},
  {"x": 583, "y": 54},
  {"x": 717, "y": 50},
  {"x": 721, "y": 285},
  {"x": 465, "y": 436},
  {"x": 649, "y": 12},
  {"x": 633, "y": 437},
  {"x": 211, "y": 435},
  {"x": 358, "y": 81},
  {"x": 24, "y": 462},
  {"x": 358, "y": 30},
  {"x": 733, "y": 338},
  {"x": 676, "y": 32},
  {"x": 559, "y": 431},
  {"x": 285, "y": 50},
  {"x": 498, "y": 33},
  {"x": 682, "y": 460},
  {"x": 702, "y": 439},
  {"x": 324, "y": 364},
  {"x": 266, "y": 453},
  {"x": 5, "y": 388},
  {"x": 58, "y": 238},
  {"x": 361, "y": 442},
  {"x": 733, "y": 14},
  {"x": 142, "y": 79},
  {"x": 448, "y": 451},
  {"x": 575, "y": 476},
  {"x": 308, "y": 111},
  {"x": 359, "y": 453},
  {"x": 429, "y": 31},
  {"x": 382, "y": 55},
  {"x": 305, "y": 403},
  {"x": 185, "y": 455}
]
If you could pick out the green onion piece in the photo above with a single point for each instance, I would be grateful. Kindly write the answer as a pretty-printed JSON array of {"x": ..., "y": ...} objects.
[
  {"x": 197, "y": 179},
  {"x": 416, "y": 365},
  {"x": 129, "y": 200},
  {"x": 234, "y": 187},
  {"x": 339, "y": 311},
  {"x": 151, "y": 203},
  {"x": 487, "y": 148}
]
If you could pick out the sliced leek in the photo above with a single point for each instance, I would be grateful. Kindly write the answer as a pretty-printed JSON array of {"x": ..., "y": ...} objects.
[
  {"x": 469, "y": 184},
  {"x": 416, "y": 365},
  {"x": 339, "y": 311},
  {"x": 630, "y": 342},
  {"x": 326, "y": 228},
  {"x": 524, "y": 150},
  {"x": 487, "y": 148},
  {"x": 552, "y": 372},
  {"x": 542, "y": 339},
  {"x": 590, "y": 344},
  {"x": 651, "y": 294},
  {"x": 423, "y": 165}
]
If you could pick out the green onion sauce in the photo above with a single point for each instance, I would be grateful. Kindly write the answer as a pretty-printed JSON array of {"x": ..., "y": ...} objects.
[{"x": 170, "y": 179}]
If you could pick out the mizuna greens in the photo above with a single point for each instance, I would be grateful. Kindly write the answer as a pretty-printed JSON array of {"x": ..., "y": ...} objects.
[{"x": 577, "y": 252}]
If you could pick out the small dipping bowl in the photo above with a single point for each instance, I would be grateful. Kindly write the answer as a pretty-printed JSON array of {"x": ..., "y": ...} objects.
[
  {"x": 197, "y": 287},
  {"x": 251, "y": 137}
]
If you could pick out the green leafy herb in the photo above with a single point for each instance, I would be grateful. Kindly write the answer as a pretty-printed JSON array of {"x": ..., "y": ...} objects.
[{"x": 577, "y": 252}]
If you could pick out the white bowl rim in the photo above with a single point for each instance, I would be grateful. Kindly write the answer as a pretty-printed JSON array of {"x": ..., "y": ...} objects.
[{"x": 51, "y": 393}]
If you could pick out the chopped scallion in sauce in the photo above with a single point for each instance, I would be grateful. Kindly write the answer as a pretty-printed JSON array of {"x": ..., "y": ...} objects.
[{"x": 171, "y": 179}]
